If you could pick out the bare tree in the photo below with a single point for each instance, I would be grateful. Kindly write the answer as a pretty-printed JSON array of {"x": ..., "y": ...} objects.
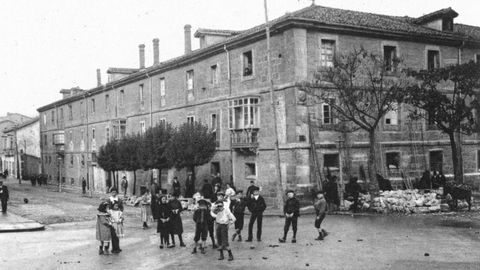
[{"x": 361, "y": 89}]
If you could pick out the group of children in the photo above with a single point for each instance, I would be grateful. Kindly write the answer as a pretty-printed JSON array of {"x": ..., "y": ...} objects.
[
  {"x": 219, "y": 212},
  {"x": 110, "y": 224}
]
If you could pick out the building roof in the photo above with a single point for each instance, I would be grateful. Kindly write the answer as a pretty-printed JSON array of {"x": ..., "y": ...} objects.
[
  {"x": 470, "y": 31},
  {"x": 446, "y": 12},
  {"x": 216, "y": 32},
  {"x": 331, "y": 19},
  {"x": 23, "y": 124}
]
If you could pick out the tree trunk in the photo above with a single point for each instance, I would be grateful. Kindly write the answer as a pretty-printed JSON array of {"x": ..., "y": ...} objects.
[
  {"x": 457, "y": 160},
  {"x": 193, "y": 178},
  {"x": 114, "y": 180},
  {"x": 134, "y": 181},
  {"x": 159, "y": 179},
  {"x": 372, "y": 162}
]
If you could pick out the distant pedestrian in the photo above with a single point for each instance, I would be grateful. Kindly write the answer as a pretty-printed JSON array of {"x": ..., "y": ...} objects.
[
  {"x": 207, "y": 190},
  {"x": 201, "y": 217},
  {"x": 104, "y": 224},
  {"x": 124, "y": 185},
  {"x": 4, "y": 196},
  {"x": 84, "y": 185},
  {"x": 250, "y": 189},
  {"x": 176, "y": 187},
  {"x": 291, "y": 210},
  {"x": 223, "y": 217},
  {"x": 189, "y": 187},
  {"x": 321, "y": 210},
  {"x": 163, "y": 214},
  {"x": 217, "y": 180},
  {"x": 176, "y": 225},
  {"x": 237, "y": 207},
  {"x": 256, "y": 205}
]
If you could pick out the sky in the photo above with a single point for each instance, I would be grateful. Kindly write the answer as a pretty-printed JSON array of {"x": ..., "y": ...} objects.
[{"x": 49, "y": 45}]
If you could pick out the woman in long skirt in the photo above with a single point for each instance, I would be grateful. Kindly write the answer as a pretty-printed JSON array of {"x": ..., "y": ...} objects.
[
  {"x": 145, "y": 208},
  {"x": 163, "y": 214}
]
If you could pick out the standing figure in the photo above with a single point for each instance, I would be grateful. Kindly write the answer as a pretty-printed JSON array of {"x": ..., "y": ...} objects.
[
  {"x": 217, "y": 180},
  {"x": 211, "y": 228},
  {"x": 223, "y": 217},
  {"x": 124, "y": 185},
  {"x": 189, "y": 187},
  {"x": 237, "y": 207},
  {"x": 4, "y": 196},
  {"x": 201, "y": 217},
  {"x": 256, "y": 205},
  {"x": 176, "y": 188},
  {"x": 116, "y": 210},
  {"x": 176, "y": 226},
  {"x": 229, "y": 192},
  {"x": 250, "y": 189},
  {"x": 84, "y": 185},
  {"x": 163, "y": 214},
  {"x": 291, "y": 210},
  {"x": 353, "y": 189},
  {"x": 321, "y": 209},
  {"x": 207, "y": 190},
  {"x": 145, "y": 202},
  {"x": 103, "y": 226},
  {"x": 331, "y": 194}
]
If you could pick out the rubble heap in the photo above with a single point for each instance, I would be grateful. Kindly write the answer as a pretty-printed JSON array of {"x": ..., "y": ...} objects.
[{"x": 408, "y": 201}]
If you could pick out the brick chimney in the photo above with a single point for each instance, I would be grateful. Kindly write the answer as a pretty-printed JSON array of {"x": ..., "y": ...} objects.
[
  {"x": 141, "y": 52},
  {"x": 188, "y": 38},
  {"x": 99, "y": 77},
  {"x": 156, "y": 53}
]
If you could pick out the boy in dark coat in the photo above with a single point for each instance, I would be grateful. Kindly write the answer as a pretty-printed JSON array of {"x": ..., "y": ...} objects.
[
  {"x": 163, "y": 214},
  {"x": 256, "y": 205},
  {"x": 291, "y": 210},
  {"x": 176, "y": 225},
  {"x": 237, "y": 207},
  {"x": 4, "y": 196},
  {"x": 321, "y": 209},
  {"x": 201, "y": 217}
]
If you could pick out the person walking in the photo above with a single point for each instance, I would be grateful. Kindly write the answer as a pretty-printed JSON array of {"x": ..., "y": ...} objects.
[
  {"x": 163, "y": 214},
  {"x": 256, "y": 205},
  {"x": 176, "y": 225},
  {"x": 201, "y": 217},
  {"x": 291, "y": 210},
  {"x": 321, "y": 209},
  {"x": 223, "y": 217},
  {"x": 237, "y": 207},
  {"x": 176, "y": 187},
  {"x": 4, "y": 196},
  {"x": 84, "y": 185}
]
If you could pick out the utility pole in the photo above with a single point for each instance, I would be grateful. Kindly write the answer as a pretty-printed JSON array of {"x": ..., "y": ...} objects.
[{"x": 279, "y": 185}]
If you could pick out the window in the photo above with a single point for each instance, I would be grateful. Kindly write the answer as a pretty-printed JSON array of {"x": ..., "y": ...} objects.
[
  {"x": 331, "y": 161},
  {"x": 82, "y": 112},
  {"x": 53, "y": 139},
  {"x": 107, "y": 134},
  {"x": 93, "y": 133},
  {"x": 162, "y": 87},
  {"x": 247, "y": 61},
  {"x": 119, "y": 129},
  {"x": 190, "y": 119},
  {"x": 107, "y": 103},
  {"x": 433, "y": 59},
  {"x": 327, "y": 115},
  {"x": 92, "y": 107},
  {"x": 243, "y": 113},
  {"x": 447, "y": 24},
  {"x": 61, "y": 114},
  {"x": 390, "y": 57},
  {"x": 327, "y": 53},
  {"x": 53, "y": 117},
  {"x": 141, "y": 97},
  {"x": 391, "y": 117},
  {"x": 44, "y": 119},
  {"x": 478, "y": 160},
  {"x": 393, "y": 160},
  {"x": 436, "y": 161},
  {"x": 142, "y": 127},
  {"x": 190, "y": 80},
  {"x": 163, "y": 122},
  {"x": 121, "y": 99},
  {"x": 82, "y": 160},
  {"x": 70, "y": 112},
  {"x": 45, "y": 139},
  {"x": 214, "y": 168},
  {"x": 71, "y": 159},
  {"x": 250, "y": 170},
  {"x": 215, "y": 125},
  {"x": 477, "y": 58},
  {"x": 214, "y": 74}
]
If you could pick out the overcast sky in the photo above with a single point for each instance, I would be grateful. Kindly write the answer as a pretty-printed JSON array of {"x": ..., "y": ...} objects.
[{"x": 47, "y": 45}]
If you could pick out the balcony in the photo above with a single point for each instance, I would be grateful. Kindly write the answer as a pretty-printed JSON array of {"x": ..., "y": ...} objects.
[
  {"x": 9, "y": 152},
  {"x": 59, "y": 138},
  {"x": 245, "y": 139}
]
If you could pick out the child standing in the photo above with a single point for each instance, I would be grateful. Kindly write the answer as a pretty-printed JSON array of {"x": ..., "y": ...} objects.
[
  {"x": 223, "y": 217},
  {"x": 145, "y": 208},
  {"x": 237, "y": 207},
  {"x": 162, "y": 214},
  {"x": 321, "y": 209},
  {"x": 103, "y": 228},
  {"x": 117, "y": 219},
  {"x": 201, "y": 217},
  {"x": 176, "y": 225},
  {"x": 291, "y": 210}
]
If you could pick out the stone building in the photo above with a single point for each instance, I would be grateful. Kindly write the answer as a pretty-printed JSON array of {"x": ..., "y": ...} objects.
[
  {"x": 224, "y": 84},
  {"x": 8, "y": 148}
]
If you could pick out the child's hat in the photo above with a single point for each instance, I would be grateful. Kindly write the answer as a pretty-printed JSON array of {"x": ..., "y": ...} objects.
[
  {"x": 220, "y": 193},
  {"x": 289, "y": 191},
  {"x": 202, "y": 202}
]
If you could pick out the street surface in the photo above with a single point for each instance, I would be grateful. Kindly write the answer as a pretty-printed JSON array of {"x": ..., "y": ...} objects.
[{"x": 442, "y": 241}]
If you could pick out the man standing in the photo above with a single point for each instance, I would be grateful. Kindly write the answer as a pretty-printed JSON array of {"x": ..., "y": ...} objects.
[
  {"x": 124, "y": 185},
  {"x": 84, "y": 185},
  {"x": 291, "y": 210},
  {"x": 256, "y": 205},
  {"x": 207, "y": 190},
  {"x": 250, "y": 189},
  {"x": 3, "y": 196}
]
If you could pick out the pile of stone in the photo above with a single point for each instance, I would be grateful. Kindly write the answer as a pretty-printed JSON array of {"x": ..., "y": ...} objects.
[{"x": 407, "y": 201}]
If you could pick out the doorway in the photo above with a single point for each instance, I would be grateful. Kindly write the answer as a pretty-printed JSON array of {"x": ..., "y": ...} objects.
[{"x": 436, "y": 160}]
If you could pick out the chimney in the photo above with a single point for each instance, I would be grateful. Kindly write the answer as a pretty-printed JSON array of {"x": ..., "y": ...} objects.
[
  {"x": 141, "y": 51},
  {"x": 188, "y": 38},
  {"x": 99, "y": 77},
  {"x": 156, "y": 53}
]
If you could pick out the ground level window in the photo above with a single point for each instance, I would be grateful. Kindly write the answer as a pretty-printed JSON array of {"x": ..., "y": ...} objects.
[
  {"x": 436, "y": 160},
  {"x": 393, "y": 160},
  {"x": 214, "y": 168},
  {"x": 331, "y": 162},
  {"x": 250, "y": 170},
  {"x": 478, "y": 160}
]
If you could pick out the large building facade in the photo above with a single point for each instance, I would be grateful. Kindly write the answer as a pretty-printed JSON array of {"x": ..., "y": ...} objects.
[
  {"x": 8, "y": 146},
  {"x": 225, "y": 84}
]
